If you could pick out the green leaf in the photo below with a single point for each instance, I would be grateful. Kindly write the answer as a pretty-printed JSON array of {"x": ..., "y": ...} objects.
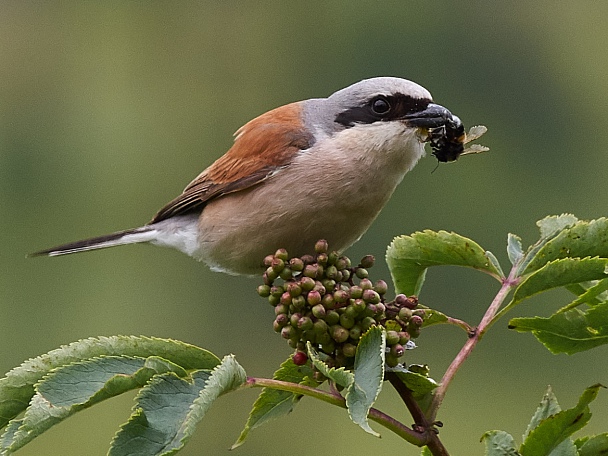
[
  {"x": 548, "y": 406},
  {"x": 72, "y": 388},
  {"x": 499, "y": 443},
  {"x": 549, "y": 227},
  {"x": 273, "y": 403},
  {"x": 590, "y": 293},
  {"x": 592, "y": 446},
  {"x": 339, "y": 376},
  {"x": 169, "y": 408},
  {"x": 582, "y": 239},
  {"x": 568, "y": 332},
  {"x": 408, "y": 257},
  {"x": 433, "y": 317},
  {"x": 419, "y": 384},
  {"x": 17, "y": 388},
  {"x": 559, "y": 273},
  {"x": 369, "y": 375},
  {"x": 425, "y": 451},
  {"x": 553, "y": 430},
  {"x": 514, "y": 249},
  {"x": 162, "y": 408}
]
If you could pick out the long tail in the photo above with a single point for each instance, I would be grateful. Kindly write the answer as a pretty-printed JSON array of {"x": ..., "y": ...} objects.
[{"x": 132, "y": 236}]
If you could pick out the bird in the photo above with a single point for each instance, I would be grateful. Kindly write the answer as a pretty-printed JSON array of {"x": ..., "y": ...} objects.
[{"x": 321, "y": 168}]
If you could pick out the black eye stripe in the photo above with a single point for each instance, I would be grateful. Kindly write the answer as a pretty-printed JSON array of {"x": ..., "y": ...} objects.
[{"x": 399, "y": 105}]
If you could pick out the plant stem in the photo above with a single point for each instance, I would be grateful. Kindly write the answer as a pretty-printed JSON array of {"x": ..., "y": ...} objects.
[
  {"x": 410, "y": 435},
  {"x": 475, "y": 336},
  {"x": 422, "y": 423}
]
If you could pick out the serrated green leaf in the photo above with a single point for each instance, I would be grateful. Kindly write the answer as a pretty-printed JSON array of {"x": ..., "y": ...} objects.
[
  {"x": 552, "y": 431},
  {"x": 339, "y": 376},
  {"x": 515, "y": 250},
  {"x": 499, "y": 443},
  {"x": 495, "y": 263},
  {"x": 568, "y": 332},
  {"x": 408, "y": 257},
  {"x": 559, "y": 273},
  {"x": 17, "y": 388},
  {"x": 549, "y": 227},
  {"x": 273, "y": 403},
  {"x": 369, "y": 375},
  {"x": 590, "y": 293},
  {"x": 419, "y": 384},
  {"x": 162, "y": 408},
  {"x": 548, "y": 406},
  {"x": 169, "y": 409},
  {"x": 579, "y": 240},
  {"x": 592, "y": 446},
  {"x": 76, "y": 386}
]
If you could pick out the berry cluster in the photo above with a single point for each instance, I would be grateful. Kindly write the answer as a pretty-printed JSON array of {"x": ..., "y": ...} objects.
[{"x": 324, "y": 300}]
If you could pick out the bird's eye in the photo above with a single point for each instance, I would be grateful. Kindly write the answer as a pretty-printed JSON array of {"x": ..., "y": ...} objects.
[{"x": 380, "y": 105}]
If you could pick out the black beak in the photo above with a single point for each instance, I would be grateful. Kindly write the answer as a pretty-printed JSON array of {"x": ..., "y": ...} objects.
[{"x": 432, "y": 117}]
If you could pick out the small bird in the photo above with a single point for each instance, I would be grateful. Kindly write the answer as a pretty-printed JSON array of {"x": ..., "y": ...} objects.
[{"x": 315, "y": 169}]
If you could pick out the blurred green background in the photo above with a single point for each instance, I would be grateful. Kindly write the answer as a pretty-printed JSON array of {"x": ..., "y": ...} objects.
[{"x": 108, "y": 109}]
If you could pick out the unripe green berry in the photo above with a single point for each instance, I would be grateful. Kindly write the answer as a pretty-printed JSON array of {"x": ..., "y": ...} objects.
[
  {"x": 405, "y": 314},
  {"x": 319, "y": 311},
  {"x": 404, "y": 337},
  {"x": 332, "y": 317},
  {"x": 307, "y": 283},
  {"x": 345, "y": 274},
  {"x": 305, "y": 323},
  {"x": 324, "y": 338},
  {"x": 277, "y": 290},
  {"x": 320, "y": 288},
  {"x": 274, "y": 300},
  {"x": 367, "y": 323},
  {"x": 356, "y": 292},
  {"x": 392, "y": 337},
  {"x": 311, "y": 270},
  {"x": 320, "y": 327},
  {"x": 332, "y": 257},
  {"x": 361, "y": 273},
  {"x": 347, "y": 321},
  {"x": 281, "y": 309},
  {"x": 286, "y": 274},
  {"x": 351, "y": 311},
  {"x": 294, "y": 342},
  {"x": 288, "y": 332},
  {"x": 380, "y": 308},
  {"x": 277, "y": 265},
  {"x": 271, "y": 274},
  {"x": 296, "y": 264},
  {"x": 281, "y": 320},
  {"x": 416, "y": 320},
  {"x": 322, "y": 258},
  {"x": 286, "y": 298},
  {"x": 294, "y": 289},
  {"x": 328, "y": 301},
  {"x": 340, "y": 296},
  {"x": 349, "y": 350},
  {"x": 299, "y": 302},
  {"x": 367, "y": 261},
  {"x": 331, "y": 272},
  {"x": 359, "y": 306},
  {"x": 366, "y": 284},
  {"x": 268, "y": 260},
  {"x": 329, "y": 284},
  {"x": 338, "y": 333},
  {"x": 371, "y": 296},
  {"x": 313, "y": 297},
  {"x": 263, "y": 291},
  {"x": 309, "y": 336},
  {"x": 281, "y": 254},
  {"x": 343, "y": 263},
  {"x": 381, "y": 287},
  {"x": 355, "y": 332},
  {"x": 294, "y": 318},
  {"x": 321, "y": 246}
]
